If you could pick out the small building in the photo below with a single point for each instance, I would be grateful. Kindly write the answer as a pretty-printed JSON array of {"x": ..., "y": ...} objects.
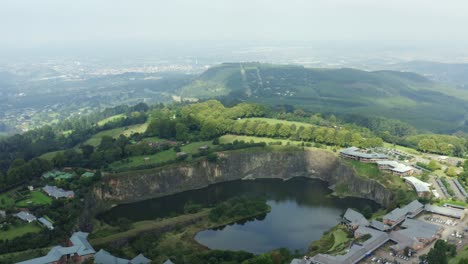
[
  {"x": 362, "y": 156},
  {"x": 203, "y": 148},
  {"x": 31, "y": 188},
  {"x": 104, "y": 257},
  {"x": 168, "y": 262},
  {"x": 445, "y": 211},
  {"x": 57, "y": 193},
  {"x": 181, "y": 154},
  {"x": 46, "y": 223},
  {"x": 2, "y": 214},
  {"x": 353, "y": 219},
  {"x": 421, "y": 188},
  {"x": 26, "y": 216},
  {"x": 394, "y": 167}
]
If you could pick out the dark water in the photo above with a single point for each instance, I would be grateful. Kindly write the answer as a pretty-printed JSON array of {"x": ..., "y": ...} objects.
[{"x": 301, "y": 210}]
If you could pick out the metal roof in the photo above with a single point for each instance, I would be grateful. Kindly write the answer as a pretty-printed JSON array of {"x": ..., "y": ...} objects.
[
  {"x": 46, "y": 222},
  {"x": 353, "y": 151},
  {"x": 418, "y": 185},
  {"x": 26, "y": 216},
  {"x": 355, "y": 217},
  {"x": 447, "y": 211}
]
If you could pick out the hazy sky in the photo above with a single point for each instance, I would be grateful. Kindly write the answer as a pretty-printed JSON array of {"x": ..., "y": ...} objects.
[{"x": 37, "y": 24}]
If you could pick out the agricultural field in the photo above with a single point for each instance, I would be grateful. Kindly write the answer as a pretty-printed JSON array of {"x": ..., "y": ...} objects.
[{"x": 34, "y": 198}]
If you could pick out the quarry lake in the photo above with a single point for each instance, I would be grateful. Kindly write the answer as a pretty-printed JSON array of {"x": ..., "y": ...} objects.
[{"x": 301, "y": 210}]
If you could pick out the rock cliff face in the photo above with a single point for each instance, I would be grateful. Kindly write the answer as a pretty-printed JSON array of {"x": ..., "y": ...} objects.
[{"x": 316, "y": 164}]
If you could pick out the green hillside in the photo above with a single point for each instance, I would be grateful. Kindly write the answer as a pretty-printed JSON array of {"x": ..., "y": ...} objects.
[{"x": 400, "y": 95}]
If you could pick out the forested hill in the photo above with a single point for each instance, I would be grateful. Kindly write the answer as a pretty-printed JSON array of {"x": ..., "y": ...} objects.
[{"x": 400, "y": 95}]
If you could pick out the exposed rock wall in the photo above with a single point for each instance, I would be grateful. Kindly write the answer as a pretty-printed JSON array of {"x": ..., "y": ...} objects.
[{"x": 317, "y": 164}]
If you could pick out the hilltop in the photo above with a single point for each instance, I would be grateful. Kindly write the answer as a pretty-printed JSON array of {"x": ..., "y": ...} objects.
[{"x": 409, "y": 97}]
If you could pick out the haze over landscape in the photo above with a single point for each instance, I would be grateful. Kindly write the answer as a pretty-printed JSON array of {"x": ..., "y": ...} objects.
[{"x": 225, "y": 132}]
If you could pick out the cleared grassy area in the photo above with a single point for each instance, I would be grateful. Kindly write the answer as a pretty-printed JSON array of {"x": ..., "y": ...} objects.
[
  {"x": 16, "y": 231},
  {"x": 6, "y": 200},
  {"x": 95, "y": 140},
  {"x": 159, "y": 157},
  {"x": 153, "y": 139},
  {"x": 460, "y": 255},
  {"x": 135, "y": 161},
  {"x": 340, "y": 237},
  {"x": 401, "y": 148},
  {"x": 50, "y": 155},
  {"x": 193, "y": 147},
  {"x": 34, "y": 198},
  {"x": 110, "y": 119},
  {"x": 272, "y": 121}
]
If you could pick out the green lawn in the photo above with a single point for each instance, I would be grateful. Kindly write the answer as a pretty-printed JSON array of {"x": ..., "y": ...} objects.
[
  {"x": 460, "y": 254},
  {"x": 6, "y": 200},
  {"x": 34, "y": 198},
  {"x": 272, "y": 121},
  {"x": 50, "y": 155},
  {"x": 136, "y": 161},
  {"x": 153, "y": 139},
  {"x": 401, "y": 148},
  {"x": 193, "y": 147},
  {"x": 110, "y": 119},
  {"x": 16, "y": 231},
  {"x": 95, "y": 140},
  {"x": 340, "y": 237}
]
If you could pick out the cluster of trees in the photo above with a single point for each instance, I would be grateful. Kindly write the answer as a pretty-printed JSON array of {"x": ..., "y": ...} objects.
[
  {"x": 440, "y": 253},
  {"x": 21, "y": 171},
  {"x": 439, "y": 144},
  {"x": 237, "y": 208},
  {"x": 210, "y": 119},
  {"x": 46, "y": 139},
  {"x": 108, "y": 151},
  {"x": 325, "y": 135}
]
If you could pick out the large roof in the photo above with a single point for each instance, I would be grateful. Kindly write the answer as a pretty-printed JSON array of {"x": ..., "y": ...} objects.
[
  {"x": 414, "y": 232},
  {"x": 80, "y": 246},
  {"x": 104, "y": 257},
  {"x": 26, "y": 216},
  {"x": 353, "y": 151},
  {"x": 395, "y": 166},
  {"x": 410, "y": 209},
  {"x": 46, "y": 222},
  {"x": 447, "y": 211},
  {"x": 418, "y": 185},
  {"x": 355, "y": 218},
  {"x": 57, "y": 192}
]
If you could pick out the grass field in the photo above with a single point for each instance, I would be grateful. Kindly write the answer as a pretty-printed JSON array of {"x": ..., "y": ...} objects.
[
  {"x": 95, "y": 140},
  {"x": 460, "y": 255},
  {"x": 50, "y": 155},
  {"x": 340, "y": 237},
  {"x": 136, "y": 161},
  {"x": 16, "y": 231},
  {"x": 34, "y": 198},
  {"x": 159, "y": 157},
  {"x": 272, "y": 121},
  {"x": 6, "y": 200},
  {"x": 401, "y": 148},
  {"x": 110, "y": 119}
]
